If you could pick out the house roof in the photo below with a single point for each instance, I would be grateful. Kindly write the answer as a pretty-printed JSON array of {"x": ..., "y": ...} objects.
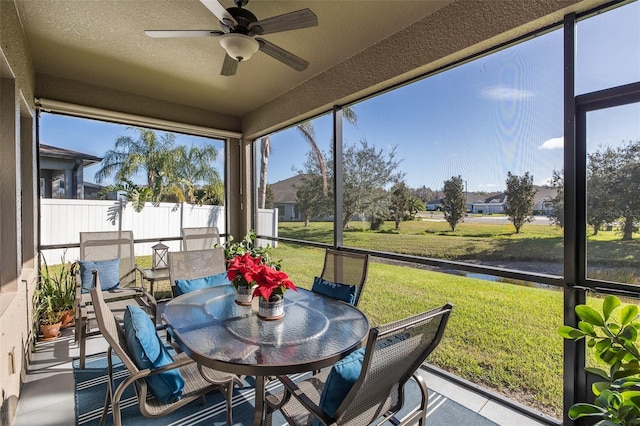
[{"x": 67, "y": 154}]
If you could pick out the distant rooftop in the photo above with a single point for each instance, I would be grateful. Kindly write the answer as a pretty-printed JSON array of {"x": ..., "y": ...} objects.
[{"x": 55, "y": 152}]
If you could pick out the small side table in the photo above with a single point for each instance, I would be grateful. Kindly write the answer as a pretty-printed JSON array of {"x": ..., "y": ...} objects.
[{"x": 154, "y": 275}]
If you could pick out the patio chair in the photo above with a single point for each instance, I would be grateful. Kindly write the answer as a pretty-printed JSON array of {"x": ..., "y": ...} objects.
[
  {"x": 199, "y": 238},
  {"x": 343, "y": 276},
  {"x": 368, "y": 384},
  {"x": 111, "y": 252},
  {"x": 198, "y": 380},
  {"x": 192, "y": 270}
]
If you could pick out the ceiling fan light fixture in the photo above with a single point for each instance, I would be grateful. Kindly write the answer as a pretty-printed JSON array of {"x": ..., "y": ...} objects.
[{"x": 239, "y": 46}]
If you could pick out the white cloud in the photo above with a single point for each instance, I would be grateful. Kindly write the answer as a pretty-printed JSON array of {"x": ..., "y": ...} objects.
[
  {"x": 503, "y": 93},
  {"x": 553, "y": 143}
]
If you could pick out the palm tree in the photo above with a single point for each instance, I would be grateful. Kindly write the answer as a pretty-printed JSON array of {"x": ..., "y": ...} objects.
[
  {"x": 193, "y": 167},
  {"x": 130, "y": 156},
  {"x": 309, "y": 133}
]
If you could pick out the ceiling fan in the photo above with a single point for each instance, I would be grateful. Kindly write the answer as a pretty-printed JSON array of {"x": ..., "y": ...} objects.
[{"x": 240, "y": 29}]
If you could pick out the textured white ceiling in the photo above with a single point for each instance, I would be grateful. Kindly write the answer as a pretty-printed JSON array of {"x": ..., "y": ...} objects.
[{"x": 103, "y": 43}]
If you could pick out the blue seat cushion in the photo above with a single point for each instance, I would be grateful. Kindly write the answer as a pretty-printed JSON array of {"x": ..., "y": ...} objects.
[
  {"x": 108, "y": 272},
  {"x": 344, "y": 292},
  {"x": 147, "y": 351},
  {"x": 185, "y": 286},
  {"x": 343, "y": 375}
]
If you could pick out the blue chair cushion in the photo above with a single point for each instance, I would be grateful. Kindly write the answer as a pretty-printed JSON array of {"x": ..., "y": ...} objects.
[
  {"x": 339, "y": 382},
  {"x": 344, "y": 292},
  {"x": 185, "y": 286},
  {"x": 147, "y": 351},
  {"x": 108, "y": 272}
]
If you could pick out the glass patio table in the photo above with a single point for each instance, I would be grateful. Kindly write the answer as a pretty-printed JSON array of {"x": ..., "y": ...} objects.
[{"x": 212, "y": 329}]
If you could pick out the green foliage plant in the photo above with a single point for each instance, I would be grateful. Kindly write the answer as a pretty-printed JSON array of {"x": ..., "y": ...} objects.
[
  {"x": 617, "y": 396},
  {"x": 58, "y": 287},
  {"x": 247, "y": 244},
  {"x": 454, "y": 204},
  {"x": 519, "y": 196}
]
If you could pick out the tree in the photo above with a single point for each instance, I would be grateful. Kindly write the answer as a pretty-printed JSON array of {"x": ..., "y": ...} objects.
[
  {"x": 398, "y": 202},
  {"x": 367, "y": 171},
  {"x": 193, "y": 172},
  {"x": 612, "y": 187},
  {"x": 556, "y": 204},
  {"x": 414, "y": 205},
  {"x": 312, "y": 202},
  {"x": 265, "y": 152},
  {"x": 148, "y": 154},
  {"x": 454, "y": 204},
  {"x": 519, "y": 196}
]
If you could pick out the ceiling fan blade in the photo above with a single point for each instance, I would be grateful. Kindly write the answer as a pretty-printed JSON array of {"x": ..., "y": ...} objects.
[
  {"x": 229, "y": 66},
  {"x": 289, "y": 21},
  {"x": 183, "y": 33},
  {"x": 220, "y": 12},
  {"x": 282, "y": 55}
]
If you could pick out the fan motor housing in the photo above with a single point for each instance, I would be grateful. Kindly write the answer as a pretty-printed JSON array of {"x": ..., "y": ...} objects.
[{"x": 243, "y": 17}]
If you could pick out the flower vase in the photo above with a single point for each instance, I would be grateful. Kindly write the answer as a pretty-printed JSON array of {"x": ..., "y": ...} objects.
[
  {"x": 271, "y": 309},
  {"x": 244, "y": 294}
]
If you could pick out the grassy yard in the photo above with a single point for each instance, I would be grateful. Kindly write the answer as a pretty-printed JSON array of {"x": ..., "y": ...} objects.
[{"x": 472, "y": 241}]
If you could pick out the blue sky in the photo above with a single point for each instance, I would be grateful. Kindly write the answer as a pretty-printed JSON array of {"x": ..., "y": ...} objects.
[{"x": 499, "y": 113}]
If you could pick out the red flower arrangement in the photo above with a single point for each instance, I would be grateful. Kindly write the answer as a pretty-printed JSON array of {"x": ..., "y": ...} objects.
[{"x": 248, "y": 270}]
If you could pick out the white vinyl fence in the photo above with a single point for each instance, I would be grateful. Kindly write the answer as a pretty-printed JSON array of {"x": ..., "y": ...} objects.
[{"x": 63, "y": 220}]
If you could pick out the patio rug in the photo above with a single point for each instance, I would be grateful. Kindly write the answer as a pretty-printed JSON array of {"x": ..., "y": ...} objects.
[{"x": 91, "y": 390}]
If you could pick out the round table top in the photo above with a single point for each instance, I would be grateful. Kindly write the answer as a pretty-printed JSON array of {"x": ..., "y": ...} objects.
[{"x": 316, "y": 331}]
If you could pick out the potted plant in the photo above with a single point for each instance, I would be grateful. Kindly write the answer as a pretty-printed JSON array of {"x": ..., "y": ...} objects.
[
  {"x": 270, "y": 287},
  {"x": 50, "y": 318},
  {"x": 242, "y": 271},
  {"x": 252, "y": 277},
  {"x": 613, "y": 338},
  {"x": 57, "y": 289}
]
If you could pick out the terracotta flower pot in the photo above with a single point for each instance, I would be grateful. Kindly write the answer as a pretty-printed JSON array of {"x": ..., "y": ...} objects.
[
  {"x": 50, "y": 331},
  {"x": 67, "y": 318}
]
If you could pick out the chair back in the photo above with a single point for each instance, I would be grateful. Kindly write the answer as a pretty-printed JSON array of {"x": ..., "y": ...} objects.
[
  {"x": 346, "y": 268},
  {"x": 108, "y": 245},
  {"x": 186, "y": 265},
  {"x": 109, "y": 326},
  {"x": 199, "y": 238},
  {"x": 394, "y": 352}
]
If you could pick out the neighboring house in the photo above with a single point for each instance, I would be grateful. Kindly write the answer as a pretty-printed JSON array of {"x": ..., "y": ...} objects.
[
  {"x": 62, "y": 173},
  {"x": 492, "y": 204},
  {"x": 497, "y": 203},
  {"x": 285, "y": 198},
  {"x": 543, "y": 195}
]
